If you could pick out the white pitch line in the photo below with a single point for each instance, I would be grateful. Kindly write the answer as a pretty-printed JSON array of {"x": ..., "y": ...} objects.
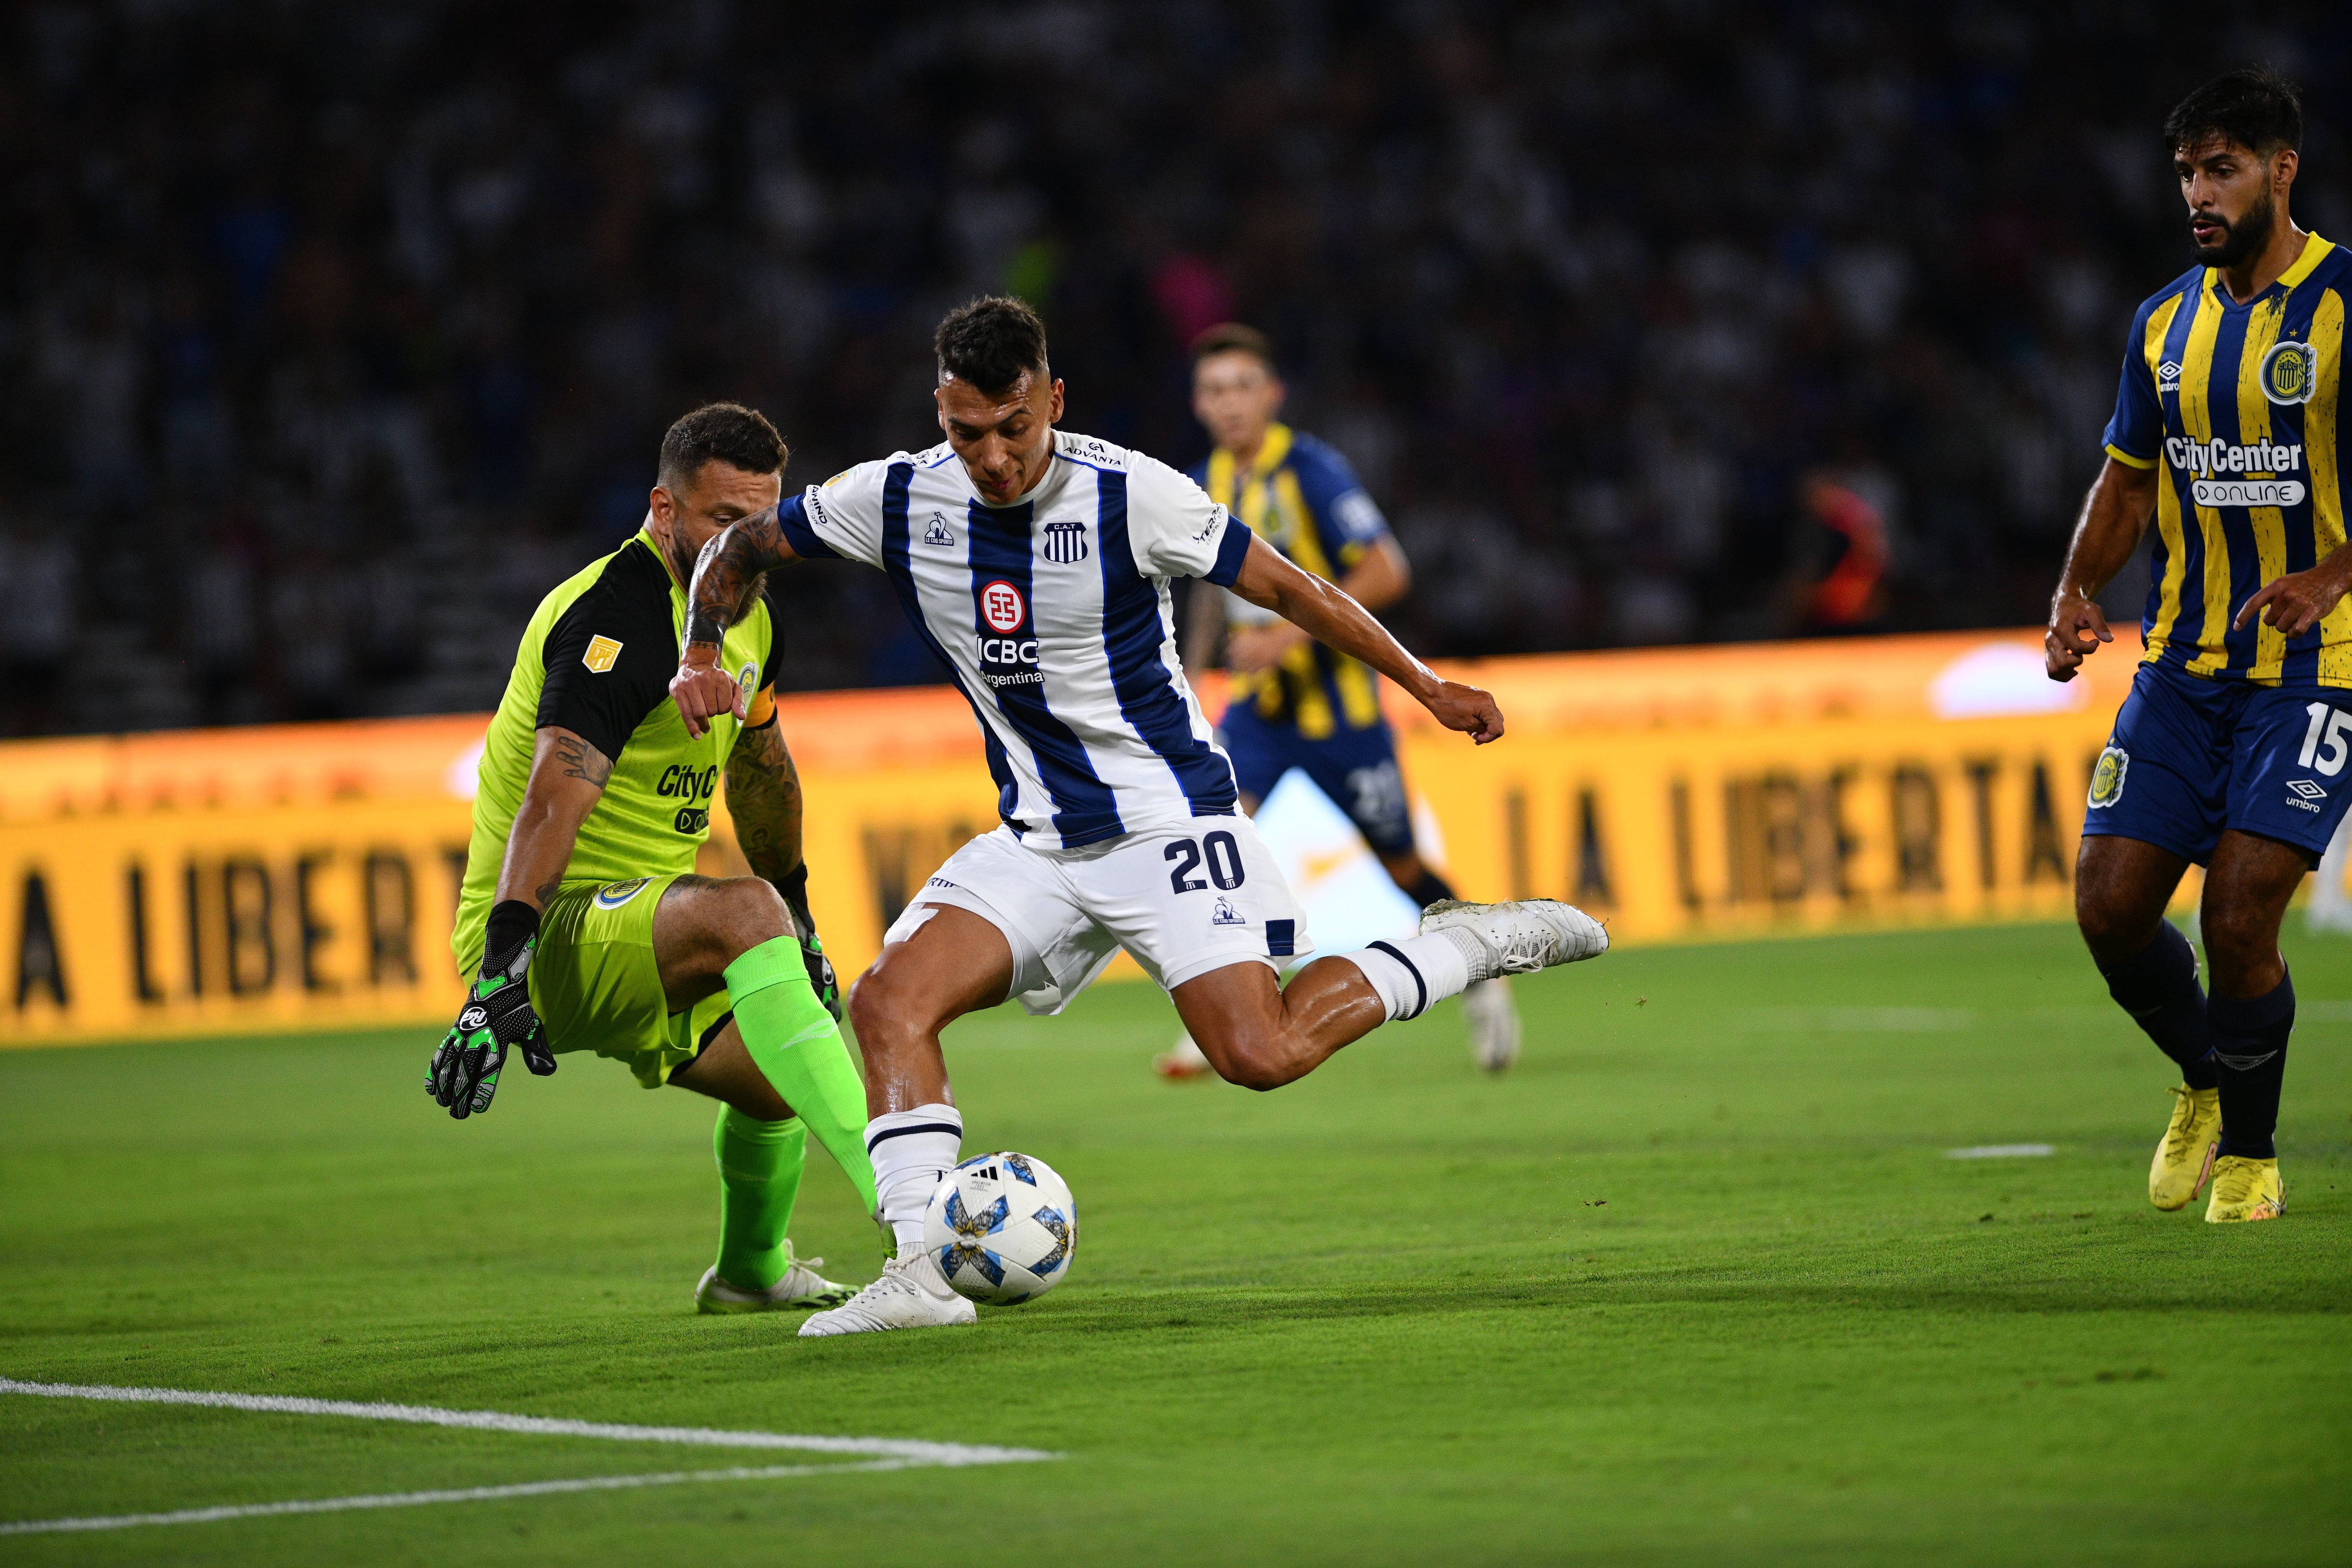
[
  {"x": 919, "y": 1453},
  {"x": 465, "y": 1494},
  {"x": 2001, "y": 1151}
]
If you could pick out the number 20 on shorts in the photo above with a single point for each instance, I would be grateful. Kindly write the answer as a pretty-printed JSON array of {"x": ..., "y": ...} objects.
[
  {"x": 1218, "y": 851},
  {"x": 2325, "y": 743}
]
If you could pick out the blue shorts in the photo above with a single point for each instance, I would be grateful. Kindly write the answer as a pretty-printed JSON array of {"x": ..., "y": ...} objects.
[
  {"x": 2190, "y": 757},
  {"x": 1357, "y": 768}
]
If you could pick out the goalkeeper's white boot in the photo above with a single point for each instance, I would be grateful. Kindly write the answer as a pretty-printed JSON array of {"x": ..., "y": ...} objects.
[
  {"x": 1494, "y": 1021},
  {"x": 911, "y": 1294},
  {"x": 1517, "y": 938},
  {"x": 801, "y": 1286}
]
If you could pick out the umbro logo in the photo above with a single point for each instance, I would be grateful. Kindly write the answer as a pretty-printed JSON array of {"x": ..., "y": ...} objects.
[
  {"x": 1065, "y": 542},
  {"x": 2307, "y": 789},
  {"x": 2168, "y": 376},
  {"x": 936, "y": 531}
]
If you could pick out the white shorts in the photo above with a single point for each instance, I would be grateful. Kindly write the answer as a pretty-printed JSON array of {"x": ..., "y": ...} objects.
[{"x": 1184, "y": 900}]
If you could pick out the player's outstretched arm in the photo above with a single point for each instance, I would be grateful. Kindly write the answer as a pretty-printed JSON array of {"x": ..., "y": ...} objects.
[
  {"x": 763, "y": 796},
  {"x": 567, "y": 779},
  {"x": 2114, "y": 514},
  {"x": 1376, "y": 581},
  {"x": 1323, "y": 611},
  {"x": 726, "y": 574}
]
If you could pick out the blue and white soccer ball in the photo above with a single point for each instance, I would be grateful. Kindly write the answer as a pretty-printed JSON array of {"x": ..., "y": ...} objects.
[{"x": 1001, "y": 1228}]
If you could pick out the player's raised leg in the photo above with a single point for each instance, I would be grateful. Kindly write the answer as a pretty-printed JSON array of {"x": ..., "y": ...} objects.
[
  {"x": 2251, "y": 1014},
  {"x": 779, "y": 1065},
  {"x": 1486, "y": 1005},
  {"x": 1261, "y": 1035},
  {"x": 2121, "y": 889}
]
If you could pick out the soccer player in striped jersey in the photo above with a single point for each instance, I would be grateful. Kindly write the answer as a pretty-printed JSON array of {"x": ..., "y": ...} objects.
[
  {"x": 1036, "y": 565},
  {"x": 2231, "y": 749},
  {"x": 1293, "y": 702}
]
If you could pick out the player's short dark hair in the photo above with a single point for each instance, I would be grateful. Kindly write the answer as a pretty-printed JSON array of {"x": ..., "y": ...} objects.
[
  {"x": 1233, "y": 337},
  {"x": 990, "y": 342},
  {"x": 720, "y": 432},
  {"x": 2251, "y": 108}
]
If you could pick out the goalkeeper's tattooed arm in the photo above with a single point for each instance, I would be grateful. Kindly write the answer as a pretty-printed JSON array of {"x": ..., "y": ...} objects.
[
  {"x": 567, "y": 778},
  {"x": 726, "y": 574},
  {"x": 763, "y": 796}
]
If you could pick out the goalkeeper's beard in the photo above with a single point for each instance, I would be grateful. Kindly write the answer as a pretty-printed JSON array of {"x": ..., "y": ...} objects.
[{"x": 681, "y": 561}]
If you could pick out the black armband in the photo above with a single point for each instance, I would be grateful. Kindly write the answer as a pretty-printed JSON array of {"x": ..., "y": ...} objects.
[{"x": 512, "y": 923}]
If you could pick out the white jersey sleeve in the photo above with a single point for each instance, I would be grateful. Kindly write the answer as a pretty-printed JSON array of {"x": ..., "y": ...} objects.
[
  {"x": 1175, "y": 529},
  {"x": 842, "y": 517}
]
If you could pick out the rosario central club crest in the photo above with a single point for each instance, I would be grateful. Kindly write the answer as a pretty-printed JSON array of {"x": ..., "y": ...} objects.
[{"x": 2290, "y": 373}]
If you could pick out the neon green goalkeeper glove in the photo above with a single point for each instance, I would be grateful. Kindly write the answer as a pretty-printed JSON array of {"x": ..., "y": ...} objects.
[{"x": 497, "y": 1015}]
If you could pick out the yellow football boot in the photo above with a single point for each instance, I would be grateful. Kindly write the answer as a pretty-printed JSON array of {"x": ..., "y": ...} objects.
[
  {"x": 2185, "y": 1157},
  {"x": 2245, "y": 1189}
]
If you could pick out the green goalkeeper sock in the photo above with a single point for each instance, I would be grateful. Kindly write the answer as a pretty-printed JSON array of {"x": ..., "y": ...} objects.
[
  {"x": 797, "y": 1045},
  {"x": 759, "y": 1179}
]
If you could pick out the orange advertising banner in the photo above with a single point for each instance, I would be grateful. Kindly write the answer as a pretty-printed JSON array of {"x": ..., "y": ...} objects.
[{"x": 304, "y": 877}]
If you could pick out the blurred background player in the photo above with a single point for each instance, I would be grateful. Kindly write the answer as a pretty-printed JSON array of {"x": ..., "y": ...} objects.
[
  {"x": 1842, "y": 558},
  {"x": 2230, "y": 750},
  {"x": 1293, "y": 702},
  {"x": 581, "y": 914}
]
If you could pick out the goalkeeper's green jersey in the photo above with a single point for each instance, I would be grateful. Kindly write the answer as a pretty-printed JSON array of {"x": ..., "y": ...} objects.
[{"x": 596, "y": 659}]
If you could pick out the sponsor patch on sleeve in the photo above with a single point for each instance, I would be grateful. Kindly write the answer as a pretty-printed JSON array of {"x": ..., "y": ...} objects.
[{"x": 602, "y": 652}]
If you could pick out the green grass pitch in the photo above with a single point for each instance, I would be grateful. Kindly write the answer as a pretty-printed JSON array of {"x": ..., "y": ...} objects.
[{"x": 1697, "y": 1283}]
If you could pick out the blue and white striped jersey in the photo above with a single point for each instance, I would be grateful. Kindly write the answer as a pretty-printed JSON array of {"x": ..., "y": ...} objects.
[{"x": 1054, "y": 615}]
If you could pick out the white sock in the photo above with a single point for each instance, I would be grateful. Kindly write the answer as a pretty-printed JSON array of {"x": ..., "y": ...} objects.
[
  {"x": 912, "y": 1150},
  {"x": 1413, "y": 973}
]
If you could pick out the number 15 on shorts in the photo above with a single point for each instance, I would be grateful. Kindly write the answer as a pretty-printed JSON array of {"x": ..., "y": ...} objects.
[{"x": 2325, "y": 745}]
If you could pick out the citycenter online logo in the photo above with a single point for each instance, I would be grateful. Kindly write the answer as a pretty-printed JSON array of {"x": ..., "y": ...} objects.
[{"x": 2262, "y": 461}]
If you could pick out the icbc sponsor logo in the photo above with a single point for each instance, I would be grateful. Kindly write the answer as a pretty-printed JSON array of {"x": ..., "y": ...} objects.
[
  {"x": 1001, "y": 606},
  {"x": 1007, "y": 659}
]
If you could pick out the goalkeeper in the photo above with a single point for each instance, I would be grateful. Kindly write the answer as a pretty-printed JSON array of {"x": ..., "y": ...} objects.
[{"x": 581, "y": 918}]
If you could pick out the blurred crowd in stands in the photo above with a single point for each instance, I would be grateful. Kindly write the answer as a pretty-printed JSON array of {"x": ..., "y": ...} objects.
[{"x": 332, "y": 335}]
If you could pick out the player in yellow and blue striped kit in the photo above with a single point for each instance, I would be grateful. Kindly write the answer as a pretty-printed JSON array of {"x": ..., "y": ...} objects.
[
  {"x": 1294, "y": 702},
  {"x": 2232, "y": 750}
]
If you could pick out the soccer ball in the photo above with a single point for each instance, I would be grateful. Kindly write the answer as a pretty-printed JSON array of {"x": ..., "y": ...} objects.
[{"x": 1002, "y": 1228}]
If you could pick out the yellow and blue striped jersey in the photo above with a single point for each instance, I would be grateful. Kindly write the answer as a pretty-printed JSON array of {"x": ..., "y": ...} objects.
[
  {"x": 1302, "y": 497},
  {"x": 2236, "y": 404}
]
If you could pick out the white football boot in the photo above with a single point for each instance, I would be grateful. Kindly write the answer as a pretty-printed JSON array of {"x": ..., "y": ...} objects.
[
  {"x": 911, "y": 1294},
  {"x": 1493, "y": 1021},
  {"x": 801, "y": 1286},
  {"x": 1517, "y": 938},
  {"x": 1182, "y": 1061}
]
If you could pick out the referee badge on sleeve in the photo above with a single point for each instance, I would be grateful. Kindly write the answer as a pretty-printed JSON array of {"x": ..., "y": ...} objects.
[{"x": 2107, "y": 778}]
